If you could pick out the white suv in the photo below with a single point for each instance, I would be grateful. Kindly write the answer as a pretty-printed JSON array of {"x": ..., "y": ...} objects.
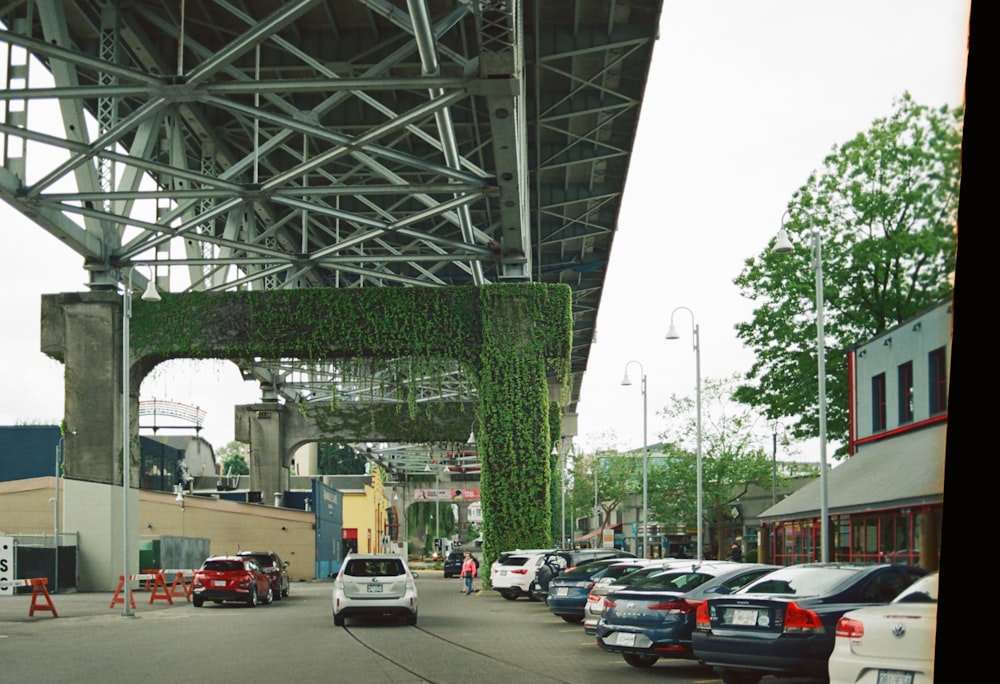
[
  {"x": 514, "y": 571},
  {"x": 374, "y": 584}
]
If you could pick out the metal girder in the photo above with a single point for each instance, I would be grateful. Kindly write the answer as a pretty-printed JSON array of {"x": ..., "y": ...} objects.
[{"x": 359, "y": 143}]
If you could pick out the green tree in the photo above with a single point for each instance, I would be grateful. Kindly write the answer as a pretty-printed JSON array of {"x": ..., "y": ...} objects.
[
  {"x": 340, "y": 459},
  {"x": 231, "y": 460},
  {"x": 612, "y": 475},
  {"x": 733, "y": 457},
  {"x": 884, "y": 209}
]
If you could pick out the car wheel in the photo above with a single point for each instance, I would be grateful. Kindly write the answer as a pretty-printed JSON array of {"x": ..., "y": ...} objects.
[
  {"x": 639, "y": 659},
  {"x": 338, "y": 619},
  {"x": 269, "y": 599},
  {"x": 198, "y": 601},
  {"x": 411, "y": 619},
  {"x": 740, "y": 676},
  {"x": 509, "y": 594},
  {"x": 575, "y": 619},
  {"x": 286, "y": 590},
  {"x": 252, "y": 598},
  {"x": 276, "y": 593}
]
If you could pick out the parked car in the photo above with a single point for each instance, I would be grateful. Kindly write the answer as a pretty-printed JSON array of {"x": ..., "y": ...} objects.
[
  {"x": 271, "y": 563},
  {"x": 595, "y": 599},
  {"x": 561, "y": 561},
  {"x": 654, "y": 617},
  {"x": 513, "y": 573},
  {"x": 453, "y": 563},
  {"x": 784, "y": 623},
  {"x": 891, "y": 643},
  {"x": 231, "y": 578},
  {"x": 568, "y": 592},
  {"x": 374, "y": 585}
]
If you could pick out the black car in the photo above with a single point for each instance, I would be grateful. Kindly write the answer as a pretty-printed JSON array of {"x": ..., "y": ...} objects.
[
  {"x": 558, "y": 562},
  {"x": 785, "y": 623},
  {"x": 453, "y": 564},
  {"x": 277, "y": 571}
]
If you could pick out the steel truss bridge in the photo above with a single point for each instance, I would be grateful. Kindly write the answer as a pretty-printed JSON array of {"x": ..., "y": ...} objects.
[{"x": 266, "y": 144}]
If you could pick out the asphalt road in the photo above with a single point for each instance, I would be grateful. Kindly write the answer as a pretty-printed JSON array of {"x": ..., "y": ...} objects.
[{"x": 458, "y": 639}]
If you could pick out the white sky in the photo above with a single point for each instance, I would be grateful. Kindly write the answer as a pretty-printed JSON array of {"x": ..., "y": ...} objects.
[{"x": 745, "y": 99}]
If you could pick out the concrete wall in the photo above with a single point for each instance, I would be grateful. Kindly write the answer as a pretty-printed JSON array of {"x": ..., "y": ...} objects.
[{"x": 90, "y": 509}]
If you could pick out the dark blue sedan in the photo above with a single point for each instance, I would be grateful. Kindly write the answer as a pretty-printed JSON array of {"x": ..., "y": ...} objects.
[
  {"x": 568, "y": 592},
  {"x": 784, "y": 624},
  {"x": 654, "y": 618}
]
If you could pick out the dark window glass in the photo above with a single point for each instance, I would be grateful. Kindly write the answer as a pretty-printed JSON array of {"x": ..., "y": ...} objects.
[
  {"x": 938, "y": 381},
  {"x": 878, "y": 403},
  {"x": 905, "y": 377}
]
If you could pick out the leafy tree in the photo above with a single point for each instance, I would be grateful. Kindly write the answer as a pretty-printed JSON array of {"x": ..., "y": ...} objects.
[
  {"x": 884, "y": 209},
  {"x": 733, "y": 457},
  {"x": 340, "y": 459},
  {"x": 231, "y": 459},
  {"x": 616, "y": 477}
]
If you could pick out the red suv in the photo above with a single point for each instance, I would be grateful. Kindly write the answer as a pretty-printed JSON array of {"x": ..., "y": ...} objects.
[
  {"x": 275, "y": 569},
  {"x": 231, "y": 578}
]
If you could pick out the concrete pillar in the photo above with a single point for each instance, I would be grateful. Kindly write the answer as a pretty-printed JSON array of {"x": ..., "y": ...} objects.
[{"x": 260, "y": 427}]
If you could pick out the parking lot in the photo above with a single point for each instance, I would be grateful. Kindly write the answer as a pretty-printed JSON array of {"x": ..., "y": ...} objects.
[{"x": 457, "y": 639}]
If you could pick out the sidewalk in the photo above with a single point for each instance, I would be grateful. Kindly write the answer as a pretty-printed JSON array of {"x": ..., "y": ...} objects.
[{"x": 78, "y": 604}]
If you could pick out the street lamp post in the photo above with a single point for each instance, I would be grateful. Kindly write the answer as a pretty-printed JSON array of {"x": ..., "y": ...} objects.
[
  {"x": 151, "y": 295},
  {"x": 696, "y": 343},
  {"x": 645, "y": 460},
  {"x": 783, "y": 245}
]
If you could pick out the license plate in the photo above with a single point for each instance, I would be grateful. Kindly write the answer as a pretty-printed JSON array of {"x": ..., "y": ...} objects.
[
  {"x": 625, "y": 639},
  {"x": 560, "y": 591},
  {"x": 894, "y": 677},
  {"x": 220, "y": 583},
  {"x": 374, "y": 588},
  {"x": 503, "y": 573},
  {"x": 742, "y": 616}
]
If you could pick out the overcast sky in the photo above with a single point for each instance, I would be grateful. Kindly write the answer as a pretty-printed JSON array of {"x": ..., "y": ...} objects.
[{"x": 745, "y": 98}]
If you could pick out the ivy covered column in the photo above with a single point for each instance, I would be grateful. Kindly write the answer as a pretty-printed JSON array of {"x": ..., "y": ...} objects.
[{"x": 514, "y": 438}]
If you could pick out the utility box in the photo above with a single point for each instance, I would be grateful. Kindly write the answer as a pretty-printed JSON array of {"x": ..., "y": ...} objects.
[{"x": 149, "y": 554}]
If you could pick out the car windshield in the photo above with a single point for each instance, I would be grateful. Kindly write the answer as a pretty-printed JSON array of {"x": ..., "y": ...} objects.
[
  {"x": 617, "y": 572},
  {"x": 800, "y": 581},
  {"x": 679, "y": 581},
  {"x": 586, "y": 570},
  {"x": 223, "y": 565},
  {"x": 380, "y": 567},
  {"x": 514, "y": 560},
  {"x": 265, "y": 561}
]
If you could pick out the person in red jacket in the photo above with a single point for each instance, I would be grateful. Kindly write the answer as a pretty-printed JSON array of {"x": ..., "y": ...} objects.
[{"x": 468, "y": 571}]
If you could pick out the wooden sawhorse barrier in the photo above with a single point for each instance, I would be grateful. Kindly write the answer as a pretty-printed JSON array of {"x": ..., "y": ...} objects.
[{"x": 38, "y": 591}]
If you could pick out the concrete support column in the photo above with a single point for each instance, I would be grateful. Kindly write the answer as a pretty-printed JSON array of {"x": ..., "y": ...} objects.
[
  {"x": 84, "y": 332},
  {"x": 260, "y": 426}
]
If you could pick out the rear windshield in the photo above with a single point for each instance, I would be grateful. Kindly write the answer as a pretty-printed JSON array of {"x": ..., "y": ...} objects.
[
  {"x": 514, "y": 560},
  {"x": 221, "y": 566},
  {"x": 800, "y": 581},
  {"x": 265, "y": 561},
  {"x": 384, "y": 567},
  {"x": 679, "y": 581}
]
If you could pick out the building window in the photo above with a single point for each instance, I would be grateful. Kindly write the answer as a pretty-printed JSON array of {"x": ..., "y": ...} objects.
[
  {"x": 938, "y": 381},
  {"x": 906, "y": 393},
  {"x": 878, "y": 403}
]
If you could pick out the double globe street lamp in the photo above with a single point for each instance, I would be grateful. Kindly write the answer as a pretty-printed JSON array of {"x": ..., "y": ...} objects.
[{"x": 645, "y": 461}]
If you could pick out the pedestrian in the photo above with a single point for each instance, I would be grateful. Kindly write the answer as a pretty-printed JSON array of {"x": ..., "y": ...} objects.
[
  {"x": 736, "y": 552},
  {"x": 468, "y": 571}
]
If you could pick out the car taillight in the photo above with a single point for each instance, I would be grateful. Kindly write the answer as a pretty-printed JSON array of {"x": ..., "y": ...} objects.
[
  {"x": 852, "y": 629},
  {"x": 593, "y": 598},
  {"x": 701, "y": 617},
  {"x": 608, "y": 603},
  {"x": 801, "y": 620},
  {"x": 519, "y": 571},
  {"x": 673, "y": 606}
]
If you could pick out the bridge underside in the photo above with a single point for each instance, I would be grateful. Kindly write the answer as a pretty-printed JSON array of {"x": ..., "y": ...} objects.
[{"x": 219, "y": 145}]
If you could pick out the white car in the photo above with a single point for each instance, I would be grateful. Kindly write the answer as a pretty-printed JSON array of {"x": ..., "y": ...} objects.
[
  {"x": 374, "y": 585},
  {"x": 889, "y": 644},
  {"x": 514, "y": 571}
]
